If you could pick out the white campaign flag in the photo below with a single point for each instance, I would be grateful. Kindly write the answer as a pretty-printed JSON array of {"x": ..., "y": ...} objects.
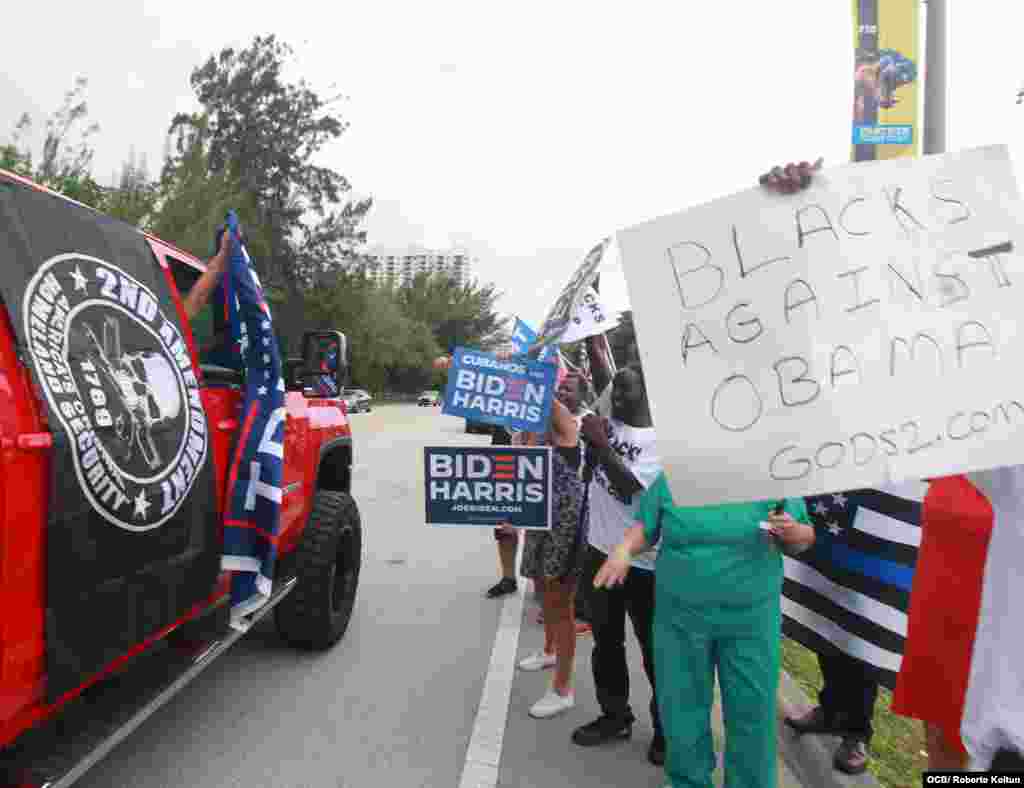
[{"x": 590, "y": 318}]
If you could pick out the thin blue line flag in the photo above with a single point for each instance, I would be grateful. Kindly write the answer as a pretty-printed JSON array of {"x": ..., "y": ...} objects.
[{"x": 850, "y": 592}]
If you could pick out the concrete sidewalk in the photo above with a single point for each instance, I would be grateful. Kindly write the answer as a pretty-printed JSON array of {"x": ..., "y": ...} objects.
[{"x": 540, "y": 753}]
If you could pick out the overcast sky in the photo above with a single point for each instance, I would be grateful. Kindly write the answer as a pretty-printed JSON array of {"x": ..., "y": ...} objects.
[{"x": 526, "y": 131}]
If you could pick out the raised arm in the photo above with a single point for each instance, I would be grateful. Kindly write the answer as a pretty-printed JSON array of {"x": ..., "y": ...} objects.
[
  {"x": 199, "y": 295},
  {"x": 593, "y": 428},
  {"x": 600, "y": 364}
]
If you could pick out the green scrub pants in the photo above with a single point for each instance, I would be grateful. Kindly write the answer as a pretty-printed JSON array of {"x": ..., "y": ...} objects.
[{"x": 742, "y": 644}]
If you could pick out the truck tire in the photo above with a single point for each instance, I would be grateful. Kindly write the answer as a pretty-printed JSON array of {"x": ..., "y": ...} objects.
[{"x": 316, "y": 613}]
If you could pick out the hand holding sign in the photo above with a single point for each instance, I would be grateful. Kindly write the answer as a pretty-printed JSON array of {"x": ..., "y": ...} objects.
[
  {"x": 791, "y": 178},
  {"x": 792, "y": 535}
]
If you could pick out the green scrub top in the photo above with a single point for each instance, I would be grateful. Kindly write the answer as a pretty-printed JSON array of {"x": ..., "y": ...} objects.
[{"x": 713, "y": 554}]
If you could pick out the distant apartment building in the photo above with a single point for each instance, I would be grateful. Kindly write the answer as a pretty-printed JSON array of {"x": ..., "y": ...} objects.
[{"x": 401, "y": 265}]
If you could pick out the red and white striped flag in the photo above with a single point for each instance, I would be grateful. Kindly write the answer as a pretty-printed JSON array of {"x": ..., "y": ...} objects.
[
  {"x": 962, "y": 661},
  {"x": 993, "y": 717}
]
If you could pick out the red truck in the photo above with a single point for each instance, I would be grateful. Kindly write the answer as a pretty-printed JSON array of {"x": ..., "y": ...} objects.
[{"x": 112, "y": 488}]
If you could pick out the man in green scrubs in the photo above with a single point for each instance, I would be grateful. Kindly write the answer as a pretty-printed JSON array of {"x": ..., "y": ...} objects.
[{"x": 718, "y": 580}]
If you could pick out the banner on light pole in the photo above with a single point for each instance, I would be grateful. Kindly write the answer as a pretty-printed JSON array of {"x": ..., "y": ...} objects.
[{"x": 886, "y": 123}]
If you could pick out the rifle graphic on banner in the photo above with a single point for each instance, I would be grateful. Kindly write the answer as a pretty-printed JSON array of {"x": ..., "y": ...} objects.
[{"x": 253, "y": 509}]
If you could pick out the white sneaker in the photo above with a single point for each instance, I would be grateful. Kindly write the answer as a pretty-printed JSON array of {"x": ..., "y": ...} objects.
[
  {"x": 538, "y": 660},
  {"x": 551, "y": 704}
]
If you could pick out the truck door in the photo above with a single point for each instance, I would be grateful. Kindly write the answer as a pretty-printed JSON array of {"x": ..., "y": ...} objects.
[{"x": 297, "y": 479}]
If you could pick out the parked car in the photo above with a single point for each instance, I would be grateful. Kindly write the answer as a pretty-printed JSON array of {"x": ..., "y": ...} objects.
[
  {"x": 477, "y": 427},
  {"x": 429, "y": 399},
  {"x": 353, "y": 402},
  {"x": 365, "y": 400}
]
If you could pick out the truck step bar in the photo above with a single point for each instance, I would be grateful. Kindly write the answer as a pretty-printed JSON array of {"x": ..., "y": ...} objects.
[{"x": 60, "y": 751}]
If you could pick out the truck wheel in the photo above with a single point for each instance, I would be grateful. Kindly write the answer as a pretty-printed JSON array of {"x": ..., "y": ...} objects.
[{"x": 316, "y": 613}]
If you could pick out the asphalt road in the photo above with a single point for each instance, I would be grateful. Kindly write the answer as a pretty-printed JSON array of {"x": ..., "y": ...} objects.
[
  {"x": 396, "y": 701},
  {"x": 396, "y": 696}
]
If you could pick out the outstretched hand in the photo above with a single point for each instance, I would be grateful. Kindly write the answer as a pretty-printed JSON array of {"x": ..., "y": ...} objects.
[
  {"x": 612, "y": 572},
  {"x": 791, "y": 178}
]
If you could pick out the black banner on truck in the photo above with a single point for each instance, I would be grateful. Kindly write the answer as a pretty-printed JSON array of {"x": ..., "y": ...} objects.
[{"x": 132, "y": 534}]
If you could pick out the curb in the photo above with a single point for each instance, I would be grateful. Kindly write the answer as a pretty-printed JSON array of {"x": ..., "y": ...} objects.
[{"x": 809, "y": 757}]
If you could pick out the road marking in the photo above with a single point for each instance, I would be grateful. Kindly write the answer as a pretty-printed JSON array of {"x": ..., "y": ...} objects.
[{"x": 483, "y": 756}]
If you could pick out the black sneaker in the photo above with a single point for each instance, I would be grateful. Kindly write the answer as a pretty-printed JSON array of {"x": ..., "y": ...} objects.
[
  {"x": 656, "y": 752},
  {"x": 505, "y": 586},
  {"x": 814, "y": 721},
  {"x": 603, "y": 729},
  {"x": 852, "y": 755}
]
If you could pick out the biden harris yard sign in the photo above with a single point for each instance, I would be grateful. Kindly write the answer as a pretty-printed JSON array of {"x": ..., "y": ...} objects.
[
  {"x": 488, "y": 485},
  {"x": 516, "y": 393}
]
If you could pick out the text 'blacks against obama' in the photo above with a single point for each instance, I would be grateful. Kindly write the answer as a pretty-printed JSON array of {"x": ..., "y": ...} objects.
[{"x": 702, "y": 280}]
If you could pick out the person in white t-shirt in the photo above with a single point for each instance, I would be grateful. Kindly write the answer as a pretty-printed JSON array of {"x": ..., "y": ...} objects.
[{"x": 623, "y": 461}]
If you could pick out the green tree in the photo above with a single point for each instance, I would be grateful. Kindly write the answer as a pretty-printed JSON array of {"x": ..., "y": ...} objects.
[
  {"x": 457, "y": 314},
  {"x": 266, "y": 132},
  {"x": 387, "y": 348},
  {"x": 192, "y": 200},
  {"x": 62, "y": 165},
  {"x": 14, "y": 157},
  {"x": 135, "y": 196}
]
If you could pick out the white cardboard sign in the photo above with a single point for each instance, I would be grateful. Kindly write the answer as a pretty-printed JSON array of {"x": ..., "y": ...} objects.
[{"x": 860, "y": 332}]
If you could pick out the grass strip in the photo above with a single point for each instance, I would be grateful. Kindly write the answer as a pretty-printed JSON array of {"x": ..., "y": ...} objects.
[{"x": 897, "y": 749}]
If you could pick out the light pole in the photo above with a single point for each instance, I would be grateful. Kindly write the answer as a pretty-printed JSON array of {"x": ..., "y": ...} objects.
[{"x": 935, "y": 60}]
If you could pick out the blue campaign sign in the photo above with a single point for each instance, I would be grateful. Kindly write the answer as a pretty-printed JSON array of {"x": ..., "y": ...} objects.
[
  {"x": 523, "y": 337},
  {"x": 516, "y": 393},
  {"x": 488, "y": 485}
]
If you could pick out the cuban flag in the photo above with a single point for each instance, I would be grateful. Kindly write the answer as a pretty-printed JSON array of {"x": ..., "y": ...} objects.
[
  {"x": 253, "y": 503},
  {"x": 850, "y": 592}
]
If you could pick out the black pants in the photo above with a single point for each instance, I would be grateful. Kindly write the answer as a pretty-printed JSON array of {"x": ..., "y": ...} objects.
[
  {"x": 584, "y": 589},
  {"x": 608, "y": 609},
  {"x": 1007, "y": 761},
  {"x": 849, "y": 693}
]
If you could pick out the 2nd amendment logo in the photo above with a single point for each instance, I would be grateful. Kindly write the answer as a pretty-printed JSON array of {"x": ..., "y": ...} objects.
[{"x": 118, "y": 374}]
